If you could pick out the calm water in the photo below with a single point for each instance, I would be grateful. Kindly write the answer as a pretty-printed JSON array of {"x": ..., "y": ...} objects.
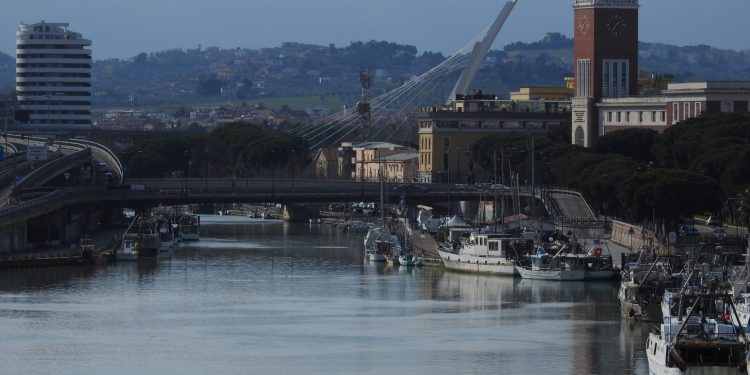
[{"x": 253, "y": 298}]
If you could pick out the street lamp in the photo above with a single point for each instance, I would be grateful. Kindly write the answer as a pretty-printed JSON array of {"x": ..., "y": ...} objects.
[
  {"x": 273, "y": 178},
  {"x": 187, "y": 169},
  {"x": 207, "y": 164}
]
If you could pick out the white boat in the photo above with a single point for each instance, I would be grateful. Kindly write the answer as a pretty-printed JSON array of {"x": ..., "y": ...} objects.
[
  {"x": 129, "y": 249},
  {"x": 561, "y": 267},
  {"x": 381, "y": 245},
  {"x": 641, "y": 288},
  {"x": 190, "y": 227},
  {"x": 489, "y": 253},
  {"x": 694, "y": 338}
]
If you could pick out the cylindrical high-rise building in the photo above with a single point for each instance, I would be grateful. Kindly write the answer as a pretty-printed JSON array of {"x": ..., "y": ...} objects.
[{"x": 53, "y": 76}]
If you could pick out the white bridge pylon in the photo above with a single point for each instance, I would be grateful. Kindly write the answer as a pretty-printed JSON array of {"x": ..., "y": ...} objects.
[
  {"x": 405, "y": 99},
  {"x": 480, "y": 51}
]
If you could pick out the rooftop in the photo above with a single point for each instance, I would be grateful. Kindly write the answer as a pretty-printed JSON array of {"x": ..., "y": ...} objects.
[
  {"x": 378, "y": 145},
  {"x": 606, "y": 3},
  {"x": 401, "y": 157},
  {"x": 710, "y": 85}
]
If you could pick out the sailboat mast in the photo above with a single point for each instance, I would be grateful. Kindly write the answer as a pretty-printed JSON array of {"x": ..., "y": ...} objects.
[{"x": 382, "y": 193}]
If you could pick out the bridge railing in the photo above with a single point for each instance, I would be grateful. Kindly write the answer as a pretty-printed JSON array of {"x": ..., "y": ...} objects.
[
  {"x": 75, "y": 145},
  {"x": 51, "y": 169},
  {"x": 105, "y": 153}
]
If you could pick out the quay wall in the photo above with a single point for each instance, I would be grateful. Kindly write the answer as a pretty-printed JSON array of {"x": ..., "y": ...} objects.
[{"x": 628, "y": 235}]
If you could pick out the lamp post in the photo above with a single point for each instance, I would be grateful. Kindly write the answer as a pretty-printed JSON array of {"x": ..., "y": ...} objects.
[
  {"x": 205, "y": 166},
  {"x": 273, "y": 177},
  {"x": 187, "y": 170}
]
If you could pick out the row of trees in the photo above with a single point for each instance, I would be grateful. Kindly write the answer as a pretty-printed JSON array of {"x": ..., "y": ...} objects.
[
  {"x": 637, "y": 174},
  {"x": 234, "y": 150}
]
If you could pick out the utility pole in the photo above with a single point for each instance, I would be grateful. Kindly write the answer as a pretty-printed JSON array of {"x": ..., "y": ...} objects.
[
  {"x": 494, "y": 169},
  {"x": 533, "y": 179}
]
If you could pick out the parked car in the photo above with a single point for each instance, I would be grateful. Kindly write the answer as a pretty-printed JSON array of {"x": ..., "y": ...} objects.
[{"x": 688, "y": 230}]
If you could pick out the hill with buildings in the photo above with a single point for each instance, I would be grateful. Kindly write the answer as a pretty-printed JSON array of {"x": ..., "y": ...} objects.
[{"x": 211, "y": 75}]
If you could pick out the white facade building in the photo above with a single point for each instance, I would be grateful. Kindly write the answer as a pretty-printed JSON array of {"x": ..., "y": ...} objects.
[{"x": 53, "y": 76}]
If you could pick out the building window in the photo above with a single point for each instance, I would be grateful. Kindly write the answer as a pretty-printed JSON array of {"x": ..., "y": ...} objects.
[
  {"x": 582, "y": 78},
  {"x": 698, "y": 109},
  {"x": 640, "y": 117},
  {"x": 686, "y": 113},
  {"x": 627, "y": 117},
  {"x": 609, "y": 116},
  {"x": 663, "y": 116},
  {"x": 727, "y": 107},
  {"x": 619, "y": 116},
  {"x": 675, "y": 113},
  {"x": 615, "y": 78}
]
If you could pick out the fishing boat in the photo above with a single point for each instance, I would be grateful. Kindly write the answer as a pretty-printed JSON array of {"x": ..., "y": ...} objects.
[
  {"x": 642, "y": 285},
  {"x": 190, "y": 227},
  {"x": 598, "y": 264},
  {"x": 381, "y": 245},
  {"x": 167, "y": 237},
  {"x": 697, "y": 335},
  {"x": 128, "y": 251},
  {"x": 409, "y": 260},
  {"x": 560, "y": 267},
  {"x": 484, "y": 252}
]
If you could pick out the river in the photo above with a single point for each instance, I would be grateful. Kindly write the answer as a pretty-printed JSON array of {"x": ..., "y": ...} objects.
[{"x": 256, "y": 297}]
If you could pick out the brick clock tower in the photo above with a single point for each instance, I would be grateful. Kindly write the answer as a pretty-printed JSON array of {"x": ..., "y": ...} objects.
[{"x": 605, "y": 60}]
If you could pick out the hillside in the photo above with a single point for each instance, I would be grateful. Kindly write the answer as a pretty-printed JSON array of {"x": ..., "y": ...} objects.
[{"x": 218, "y": 75}]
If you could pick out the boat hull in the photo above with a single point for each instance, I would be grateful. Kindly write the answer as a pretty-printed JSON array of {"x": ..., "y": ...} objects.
[
  {"x": 600, "y": 275},
  {"x": 190, "y": 237},
  {"x": 557, "y": 275},
  {"x": 475, "y": 264},
  {"x": 375, "y": 257},
  {"x": 126, "y": 257},
  {"x": 657, "y": 354}
]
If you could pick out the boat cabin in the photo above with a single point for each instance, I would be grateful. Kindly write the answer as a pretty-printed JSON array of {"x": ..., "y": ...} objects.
[{"x": 495, "y": 245}]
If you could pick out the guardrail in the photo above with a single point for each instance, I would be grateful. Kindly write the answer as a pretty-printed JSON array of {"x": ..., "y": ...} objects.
[
  {"x": 105, "y": 153},
  {"x": 47, "y": 171},
  {"x": 98, "y": 150}
]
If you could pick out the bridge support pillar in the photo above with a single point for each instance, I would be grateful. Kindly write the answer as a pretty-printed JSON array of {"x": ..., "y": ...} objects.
[
  {"x": 13, "y": 238},
  {"x": 299, "y": 214}
]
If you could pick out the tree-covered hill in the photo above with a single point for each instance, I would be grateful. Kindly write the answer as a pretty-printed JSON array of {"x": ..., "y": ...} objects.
[{"x": 293, "y": 69}]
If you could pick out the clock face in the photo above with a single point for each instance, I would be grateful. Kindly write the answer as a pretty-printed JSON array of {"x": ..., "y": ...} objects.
[
  {"x": 584, "y": 25},
  {"x": 616, "y": 25}
]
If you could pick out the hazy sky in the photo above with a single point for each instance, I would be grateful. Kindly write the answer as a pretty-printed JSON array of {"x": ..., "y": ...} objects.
[{"x": 124, "y": 28}]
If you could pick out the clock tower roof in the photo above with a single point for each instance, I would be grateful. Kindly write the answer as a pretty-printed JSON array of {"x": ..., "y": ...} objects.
[{"x": 606, "y": 4}]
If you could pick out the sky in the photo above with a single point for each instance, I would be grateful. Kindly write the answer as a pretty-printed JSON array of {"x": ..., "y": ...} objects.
[{"x": 124, "y": 28}]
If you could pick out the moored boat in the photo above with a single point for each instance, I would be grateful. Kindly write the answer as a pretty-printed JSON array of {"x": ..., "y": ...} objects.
[
  {"x": 696, "y": 336},
  {"x": 190, "y": 225},
  {"x": 489, "y": 253},
  {"x": 543, "y": 266},
  {"x": 409, "y": 260},
  {"x": 381, "y": 245},
  {"x": 128, "y": 251}
]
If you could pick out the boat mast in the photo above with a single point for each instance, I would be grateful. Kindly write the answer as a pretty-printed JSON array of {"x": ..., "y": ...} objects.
[{"x": 382, "y": 193}]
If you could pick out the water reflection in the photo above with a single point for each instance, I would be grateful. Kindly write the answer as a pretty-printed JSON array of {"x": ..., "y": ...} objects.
[{"x": 277, "y": 298}]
